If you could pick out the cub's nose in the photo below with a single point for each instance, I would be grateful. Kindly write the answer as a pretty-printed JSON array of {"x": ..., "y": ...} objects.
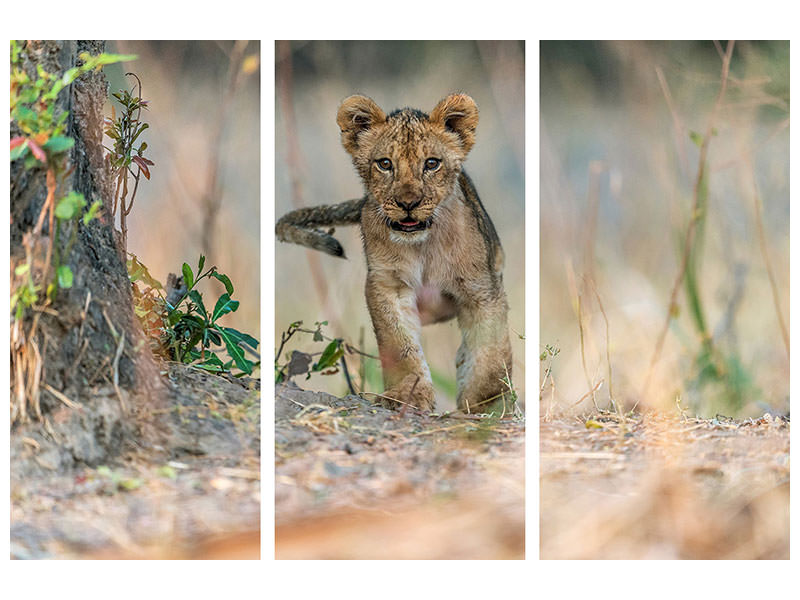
[{"x": 408, "y": 206}]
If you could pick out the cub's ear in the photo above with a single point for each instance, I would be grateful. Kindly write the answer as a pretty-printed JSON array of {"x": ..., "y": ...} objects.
[
  {"x": 458, "y": 113},
  {"x": 356, "y": 115}
]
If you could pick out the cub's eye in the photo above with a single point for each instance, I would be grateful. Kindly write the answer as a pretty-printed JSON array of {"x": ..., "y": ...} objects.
[
  {"x": 432, "y": 164},
  {"x": 384, "y": 164}
]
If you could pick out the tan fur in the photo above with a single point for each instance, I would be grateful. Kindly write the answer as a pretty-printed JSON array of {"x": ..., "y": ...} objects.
[{"x": 432, "y": 251}]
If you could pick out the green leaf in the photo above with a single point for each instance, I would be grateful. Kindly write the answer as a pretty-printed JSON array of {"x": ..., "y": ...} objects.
[
  {"x": 696, "y": 138},
  {"x": 198, "y": 300},
  {"x": 167, "y": 471},
  {"x": 19, "y": 151},
  {"x": 137, "y": 271},
  {"x": 30, "y": 161},
  {"x": 174, "y": 317},
  {"x": 249, "y": 340},
  {"x": 235, "y": 352},
  {"x": 192, "y": 322},
  {"x": 225, "y": 280},
  {"x": 224, "y": 306},
  {"x": 212, "y": 359},
  {"x": 188, "y": 277},
  {"x": 330, "y": 356},
  {"x": 25, "y": 114},
  {"x": 64, "y": 276},
  {"x": 130, "y": 484},
  {"x": 59, "y": 144},
  {"x": 70, "y": 206},
  {"x": 210, "y": 368},
  {"x": 92, "y": 212},
  {"x": 65, "y": 209},
  {"x": 110, "y": 59},
  {"x": 138, "y": 133},
  {"x": 70, "y": 75},
  {"x": 22, "y": 269},
  {"x": 201, "y": 262}
]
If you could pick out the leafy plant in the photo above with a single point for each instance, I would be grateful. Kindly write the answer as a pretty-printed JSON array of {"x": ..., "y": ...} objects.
[
  {"x": 38, "y": 139},
  {"x": 26, "y": 293},
  {"x": 34, "y": 110},
  {"x": 124, "y": 130},
  {"x": 299, "y": 363},
  {"x": 331, "y": 357},
  {"x": 148, "y": 299},
  {"x": 187, "y": 330}
]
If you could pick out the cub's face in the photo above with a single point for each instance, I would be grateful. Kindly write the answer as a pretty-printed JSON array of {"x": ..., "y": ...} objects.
[{"x": 409, "y": 161}]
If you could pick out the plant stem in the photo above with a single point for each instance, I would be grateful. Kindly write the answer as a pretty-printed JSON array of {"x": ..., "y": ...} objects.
[{"x": 691, "y": 228}]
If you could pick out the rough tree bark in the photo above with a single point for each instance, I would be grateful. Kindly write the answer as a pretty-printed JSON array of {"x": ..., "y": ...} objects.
[{"x": 88, "y": 337}]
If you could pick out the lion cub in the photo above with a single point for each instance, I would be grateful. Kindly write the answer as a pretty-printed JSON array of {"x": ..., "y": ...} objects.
[{"x": 432, "y": 251}]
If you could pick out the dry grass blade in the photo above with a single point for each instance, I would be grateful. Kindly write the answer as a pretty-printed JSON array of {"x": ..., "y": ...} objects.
[
  {"x": 62, "y": 397},
  {"x": 577, "y": 306},
  {"x": 680, "y": 128},
  {"x": 608, "y": 343},
  {"x": 321, "y": 419},
  {"x": 591, "y": 392},
  {"x": 762, "y": 242}
]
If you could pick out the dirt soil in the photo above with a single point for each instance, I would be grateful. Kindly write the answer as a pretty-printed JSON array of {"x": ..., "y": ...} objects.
[
  {"x": 183, "y": 483},
  {"x": 357, "y": 480},
  {"x": 656, "y": 486}
]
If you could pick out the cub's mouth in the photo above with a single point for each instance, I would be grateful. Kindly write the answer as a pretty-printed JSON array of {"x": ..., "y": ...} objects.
[{"x": 409, "y": 224}]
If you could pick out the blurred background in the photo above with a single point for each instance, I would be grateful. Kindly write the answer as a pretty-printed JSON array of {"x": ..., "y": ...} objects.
[
  {"x": 312, "y": 168},
  {"x": 621, "y": 127},
  {"x": 203, "y": 196}
]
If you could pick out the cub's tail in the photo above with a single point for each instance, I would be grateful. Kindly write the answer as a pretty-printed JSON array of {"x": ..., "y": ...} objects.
[{"x": 299, "y": 226}]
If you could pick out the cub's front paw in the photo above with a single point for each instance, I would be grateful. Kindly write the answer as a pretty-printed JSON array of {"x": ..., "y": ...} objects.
[{"x": 413, "y": 390}]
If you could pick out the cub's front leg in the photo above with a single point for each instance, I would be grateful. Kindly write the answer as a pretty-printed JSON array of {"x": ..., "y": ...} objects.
[
  {"x": 484, "y": 357},
  {"x": 393, "y": 308}
]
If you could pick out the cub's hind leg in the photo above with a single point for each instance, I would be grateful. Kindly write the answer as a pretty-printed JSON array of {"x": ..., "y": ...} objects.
[
  {"x": 484, "y": 358},
  {"x": 397, "y": 325}
]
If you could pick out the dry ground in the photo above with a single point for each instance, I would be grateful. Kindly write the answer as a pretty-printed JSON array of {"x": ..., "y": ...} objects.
[
  {"x": 185, "y": 484},
  {"x": 356, "y": 480},
  {"x": 664, "y": 487}
]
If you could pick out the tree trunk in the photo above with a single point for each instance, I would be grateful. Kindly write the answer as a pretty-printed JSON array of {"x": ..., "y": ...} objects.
[{"x": 75, "y": 361}]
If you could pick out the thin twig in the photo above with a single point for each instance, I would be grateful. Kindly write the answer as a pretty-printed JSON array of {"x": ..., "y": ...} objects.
[
  {"x": 762, "y": 240},
  {"x": 579, "y": 314},
  {"x": 49, "y": 206},
  {"x": 608, "y": 344},
  {"x": 591, "y": 392},
  {"x": 677, "y": 122},
  {"x": 347, "y": 376},
  {"x": 441, "y": 429},
  {"x": 390, "y": 398},
  {"x": 84, "y": 313},
  {"x": 115, "y": 367},
  {"x": 102, "y": 365},
  {"x": 60, "y": 396}
]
